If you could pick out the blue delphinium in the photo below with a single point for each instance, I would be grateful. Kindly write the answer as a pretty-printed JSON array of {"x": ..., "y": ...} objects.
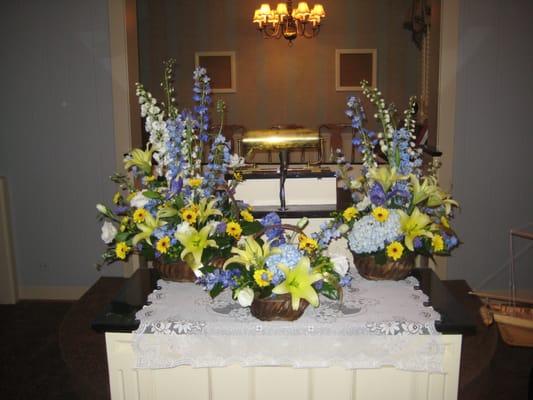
[
  {"x": 274, "y": 234},
  {"x": 328, "y": 231},
  {"x": 377, "y": 194},
  {"x": 201, "y": 96}
]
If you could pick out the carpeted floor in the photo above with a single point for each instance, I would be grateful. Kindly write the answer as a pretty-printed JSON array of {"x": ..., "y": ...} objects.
[
  {"x": 33, "y": 366},
  {"x": 31, "y": 363}
]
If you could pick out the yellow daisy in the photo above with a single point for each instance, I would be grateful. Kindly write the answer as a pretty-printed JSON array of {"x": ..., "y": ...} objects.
[
  {"x": 306, "y": 243},
  {"x": 234, "y": 229},
  {"x": 395, "y": 250},
  {"x": 237, "y": 176},
  {"x": 195, "y": 182},
  {"x": 380, "y": 214},
  {"x": 189, "y": 215},
  {"x": 349, "y": 213},
  {"x": 247, "y": 216},
  {"x": 122, "y": 250},
  {"x": 139, "y": 215},
  {"x": 163, "y": 245},
  {"x": 263, "y": 277},
  {"x": 437, "y": 242}
]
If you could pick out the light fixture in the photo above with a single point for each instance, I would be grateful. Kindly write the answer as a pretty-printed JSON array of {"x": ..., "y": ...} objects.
[{"x": 288, "y": 22}]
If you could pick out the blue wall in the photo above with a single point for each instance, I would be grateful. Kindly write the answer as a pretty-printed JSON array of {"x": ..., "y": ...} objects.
[{"x": 56, "y": 135}]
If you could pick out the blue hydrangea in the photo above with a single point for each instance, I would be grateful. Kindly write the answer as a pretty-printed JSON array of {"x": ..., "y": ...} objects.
[
  {"x": 289, "y": 256},
  {"x": 369, "y": 235}
]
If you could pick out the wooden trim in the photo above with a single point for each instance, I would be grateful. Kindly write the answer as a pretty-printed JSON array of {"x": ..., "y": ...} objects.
[
  {"x": 447, "y": 93},
  {"x": 124, "y": 74},
  {"x": 339, "y": 52},
  {"x": 8, "y": 273},
  {"x": 231, "y": 54}
]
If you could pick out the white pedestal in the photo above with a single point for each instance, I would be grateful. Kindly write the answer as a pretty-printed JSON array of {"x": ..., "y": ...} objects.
[{"x": 279, "y": 383}]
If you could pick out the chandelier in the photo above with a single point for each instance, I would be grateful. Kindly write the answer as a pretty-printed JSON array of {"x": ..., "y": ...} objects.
[{"x": 289, "y": 22}]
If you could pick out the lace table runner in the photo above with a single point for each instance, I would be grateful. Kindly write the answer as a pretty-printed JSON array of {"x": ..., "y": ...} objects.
[{"x": 377, "y": 324}]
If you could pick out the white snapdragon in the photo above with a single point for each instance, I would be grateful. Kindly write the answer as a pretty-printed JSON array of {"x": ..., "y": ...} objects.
[
  {"x": 363, "y": 204},
  {"x": 109, "y": 232},
  {"x": 236, "y": 161},
  {"x": 139, "y": 200}
]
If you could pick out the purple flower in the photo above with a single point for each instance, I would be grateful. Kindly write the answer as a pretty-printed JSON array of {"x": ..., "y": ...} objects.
[
  {"x": 273, "y": 233},
  {"x": 345, "y": 280},
  {"x": 377, "y": 194},
  {"x": 119, "y": 210},
  {"x": 417, "y": 242}
]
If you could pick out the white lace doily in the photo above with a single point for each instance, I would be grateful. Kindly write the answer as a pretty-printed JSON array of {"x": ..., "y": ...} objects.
[{"x": 377, "y": 324}]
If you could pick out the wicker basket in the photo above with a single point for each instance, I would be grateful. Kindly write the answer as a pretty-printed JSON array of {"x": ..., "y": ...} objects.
[
  {"x": 278, "y": 308},
  {"x": 177, "y": 271},
  {"x": 390, "y": 271}
]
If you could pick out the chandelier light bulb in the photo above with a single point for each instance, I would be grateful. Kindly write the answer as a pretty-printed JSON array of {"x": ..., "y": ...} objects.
[{"x": 288, "y": 22}]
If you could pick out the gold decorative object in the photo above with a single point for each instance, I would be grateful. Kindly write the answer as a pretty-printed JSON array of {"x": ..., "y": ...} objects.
[
  {"x": 277, "y": 139},
  {"x": 288, "y": 22}
]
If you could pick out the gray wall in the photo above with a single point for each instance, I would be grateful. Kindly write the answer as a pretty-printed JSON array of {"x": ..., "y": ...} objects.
[
  {"x": 56, "y": 135},
  {"x": 493, "y": 174}
]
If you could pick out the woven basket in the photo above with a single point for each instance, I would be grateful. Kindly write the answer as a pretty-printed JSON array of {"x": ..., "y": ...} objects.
[
  {"x": 177, "y": 271},
  {"x": 390, "y": 271},
  {"x": 278, "y": 308}
]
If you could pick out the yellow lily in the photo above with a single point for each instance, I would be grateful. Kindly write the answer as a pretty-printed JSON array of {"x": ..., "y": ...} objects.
[
  {"x": 414, "y": 225},
  {"x": 252, "y": 254},
  {"x": 194, "y": 243},
  {"x": 167, "y": 212},
  {"x": 206, "y": 209},
  {"x": 147, "y": 228},
  {"x": 386, "y": 176},
  {"x": 140, "y": 159},
  {"x": 422, "y": 191},
  {"x": 298, "y": 283}
]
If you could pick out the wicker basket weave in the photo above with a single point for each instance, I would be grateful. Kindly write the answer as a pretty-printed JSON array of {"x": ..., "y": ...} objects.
[
  {"x": 278, "y": 308},
  {"x": 177, "y": 271},
  {"x": 390, "y": 271}
]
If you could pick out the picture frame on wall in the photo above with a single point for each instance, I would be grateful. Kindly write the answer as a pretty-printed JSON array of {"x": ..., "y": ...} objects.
[
  {"x": 354, "y": 65},
  {"x": 220, "y": 66}
]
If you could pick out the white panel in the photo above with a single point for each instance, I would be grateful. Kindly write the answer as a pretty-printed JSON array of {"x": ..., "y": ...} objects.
[
  {"x": 182, "y": 383},
  {"x": 232, "y": 382},
  {"x": 281, "y": 383},
  {"x": 131, "y": 384},
  {"x": 370, "y": 384},
  {"x": 265, "y": 192},
  {"x": 331, "y": 383}
]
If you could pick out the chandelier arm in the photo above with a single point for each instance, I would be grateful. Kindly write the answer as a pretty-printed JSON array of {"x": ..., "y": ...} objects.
[
  {"x": 271, "y": 32},
  {"x": 309, "y": 34}
]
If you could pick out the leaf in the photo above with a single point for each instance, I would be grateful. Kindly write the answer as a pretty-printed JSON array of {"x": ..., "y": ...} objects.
[
  {"x": 381, "y": 258},
  {"x": 152, "y": 195},
  {"x": 249, "y": 228},
  {"x": 122, "y": 236},
  {"x": 217, "y": 289},
  {"x": 329, "y": 291}
]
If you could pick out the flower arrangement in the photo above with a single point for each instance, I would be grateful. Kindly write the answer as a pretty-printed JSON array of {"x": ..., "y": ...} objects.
[
  {"x": 170, "y": 207},
  {"x": 398, "y": 211},
  {"x": 281, "y": 261}
]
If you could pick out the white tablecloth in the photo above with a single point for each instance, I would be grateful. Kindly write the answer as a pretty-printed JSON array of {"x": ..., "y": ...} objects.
[{"x": 377, "y": 324}]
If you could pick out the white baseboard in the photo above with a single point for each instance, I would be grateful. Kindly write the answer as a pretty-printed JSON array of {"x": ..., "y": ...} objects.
[{"x": 51, "y": 292}]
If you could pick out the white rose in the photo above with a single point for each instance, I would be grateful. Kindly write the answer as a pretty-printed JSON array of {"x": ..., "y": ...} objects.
[
  {"x": 340, "y": 265},
  {"x": 245, "y": 297},
  {"x": 139, "y": 200},
  {"x": 108, "y": 232}
]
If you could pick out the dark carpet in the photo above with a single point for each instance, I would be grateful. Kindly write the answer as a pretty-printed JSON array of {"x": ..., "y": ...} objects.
[{"x": 50, "y": 352}]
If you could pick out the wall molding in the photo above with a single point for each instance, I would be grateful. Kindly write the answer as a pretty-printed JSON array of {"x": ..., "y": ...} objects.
[{"x": 51, "y": 292}]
